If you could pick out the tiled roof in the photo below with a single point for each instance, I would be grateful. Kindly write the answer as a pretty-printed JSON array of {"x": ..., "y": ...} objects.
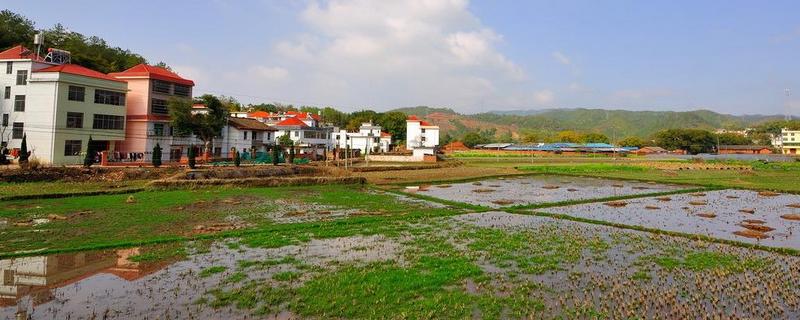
[
  {"x": 79, "y": 70},
  {"x": 293, "y": 121},
  {"x": 153, "y": 72},
  {"x": 19, "y": 52},
  {"x": 249, "y": 124}
]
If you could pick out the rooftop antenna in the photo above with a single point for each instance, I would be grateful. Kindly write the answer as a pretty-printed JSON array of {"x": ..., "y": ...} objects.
[{"x": 38, "y": 41}]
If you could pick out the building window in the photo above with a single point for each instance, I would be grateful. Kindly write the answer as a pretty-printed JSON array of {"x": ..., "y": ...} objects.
[
  {"x": 9, "y": 67},
  {"x": 158, "y": 129},
  {"x": 108, "y": 122},
  {"x": 75, "y": 120},
  {"x": 7, "y": 93},
  {"x": 161, "y": 86},
  {"x": 245, "y": 135},
  {"x": 297, "y": 133},
  {"x": 422, "y": 139},
  {"x": 109, "y": 97},
  {"x": 72, "y": 147},
  {"x": 19, "y": 102},
  {"x": 16, "y": 131},
  {"x": 5, "y": 119},
  {"x": 76, "y": 93},
  {"x": 159, "y": 106},
  {"x": 423, "y": 130},
  {"x": 22, "y": 77},
  {"x": 181, "y": 90}
]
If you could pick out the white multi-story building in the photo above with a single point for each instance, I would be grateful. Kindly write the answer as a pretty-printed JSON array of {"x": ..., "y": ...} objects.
[
  {"x": 369, "y": 136},
  {"x": 422, "y": 138},
  {"x": 57, "y": 107},
  {"x": 790, "y": 142}
]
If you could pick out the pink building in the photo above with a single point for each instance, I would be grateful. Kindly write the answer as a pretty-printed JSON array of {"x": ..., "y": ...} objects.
[{"x": 148, "y": 121}]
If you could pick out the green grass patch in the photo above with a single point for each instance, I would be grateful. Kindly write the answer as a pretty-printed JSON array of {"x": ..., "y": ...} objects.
[{"x": 207, "y": 272}]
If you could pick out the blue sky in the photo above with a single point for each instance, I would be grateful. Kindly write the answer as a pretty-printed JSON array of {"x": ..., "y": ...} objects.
[{"x": 728, "y": 56}]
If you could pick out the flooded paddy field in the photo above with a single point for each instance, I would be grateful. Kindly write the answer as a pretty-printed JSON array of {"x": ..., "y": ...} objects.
[
  {"x": 478, "y": 265},
  {"x": 537, "y": 189},
  {"x": 765, "y": 218}
]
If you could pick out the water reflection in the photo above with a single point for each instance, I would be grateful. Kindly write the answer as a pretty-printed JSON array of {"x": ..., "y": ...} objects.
[{"x": 29, "y": 282}]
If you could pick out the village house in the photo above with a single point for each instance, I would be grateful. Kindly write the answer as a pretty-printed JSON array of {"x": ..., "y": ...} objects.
[
  {"x": 244, "y": 135},
  {"x": 422, "y": 138},
  {"x": 57, "y": 106},
  {"x": 368, "y": 137},
  {"x": 790, "y": 141},
  {"x": 313, "y": 141},
  {"x": 148, "y": 121}
]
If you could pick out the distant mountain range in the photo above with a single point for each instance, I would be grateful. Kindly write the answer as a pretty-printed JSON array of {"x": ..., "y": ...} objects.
[{"x": 619, "y": 123}]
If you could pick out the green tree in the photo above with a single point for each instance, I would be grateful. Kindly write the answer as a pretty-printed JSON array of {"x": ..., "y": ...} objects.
[
  {"x": 157, "y": 156},
  {"x": 569, "y": 136},
  {"x": 445, "y": 139},
  {"x": 237, "y": 159},
  {"x": 692, "y": 140},
  {"x": 595, "y": 138},
  {"x": 733, "y": 139},
  {"x": 276, "y": 153},
  {"x": 632, "y": 142},
  {"x": 506, "y": 137},
  {"x": 357, "y": 118},
  {"x": 88, "y": 160},
  {"x": 230, "y": 103},
  {"x": 471, "y": 139},
  {"x": 23, "y": 150},
  {"x": 15, "y": 29},
  {"x": 191, "y": 155},
  {"x": 394, "y": 123},
  {"x": 204, "y": 126}
]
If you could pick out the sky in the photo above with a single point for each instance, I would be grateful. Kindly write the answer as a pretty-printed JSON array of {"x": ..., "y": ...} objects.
[{"x": 729, "y": 56}]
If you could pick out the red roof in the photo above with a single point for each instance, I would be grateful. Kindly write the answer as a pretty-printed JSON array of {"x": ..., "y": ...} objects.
[
  {"x": 293, "y": 121},
  {"x": 153, "y": 72},
  {"x": 19, "y": 52},
  {"x": 79, "y": 70},
  {"x": 414, "y": 118},
  {"x": 385, "y": 134},
  {"x": 259, "y": 114},
  {"x": 304, "y": 115}
]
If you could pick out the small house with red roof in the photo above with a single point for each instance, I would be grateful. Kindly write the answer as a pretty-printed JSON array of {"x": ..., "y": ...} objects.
[
  {"x": 308, "y": 136},
  {"x": 422, "y": 137},
  {"x": 368, "y": 137},
  {"x": 57, "y": 107},
  {"x": 148, "y": 121}
]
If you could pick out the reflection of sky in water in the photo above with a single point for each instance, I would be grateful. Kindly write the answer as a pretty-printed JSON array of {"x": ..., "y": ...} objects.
[
  {"x": 539, "y": 189},
  {"x": 678, "y": 215}
]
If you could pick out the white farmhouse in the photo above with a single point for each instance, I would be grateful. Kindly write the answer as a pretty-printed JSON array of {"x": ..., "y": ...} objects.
[
  {"x": 369, "y": 136},
  {"x": 244, "y": 135},
  {"x": 58, "y": 107},
  {"x": 422, "y": 138}
]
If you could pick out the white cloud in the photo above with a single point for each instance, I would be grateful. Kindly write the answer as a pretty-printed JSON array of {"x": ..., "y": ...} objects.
[
  {"x": 271, "y": 73},
  {"x": 363, "y": 53},
  {"x": 561, "y": 58}
]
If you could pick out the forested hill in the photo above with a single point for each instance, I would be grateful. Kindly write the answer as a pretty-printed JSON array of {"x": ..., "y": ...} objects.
[
  {"x": 89, "y": 51},
  {"x": 620, "y": 123}
]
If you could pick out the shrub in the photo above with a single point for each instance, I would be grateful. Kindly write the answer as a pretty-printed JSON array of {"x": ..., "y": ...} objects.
[
  {"x": 157, "y": 156},
  {"x": 192, "y": 154},
  {"x": 88, "y": 160},
  {"x": 23, "y": 150},
  {"x": 237, "y": 159}
]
